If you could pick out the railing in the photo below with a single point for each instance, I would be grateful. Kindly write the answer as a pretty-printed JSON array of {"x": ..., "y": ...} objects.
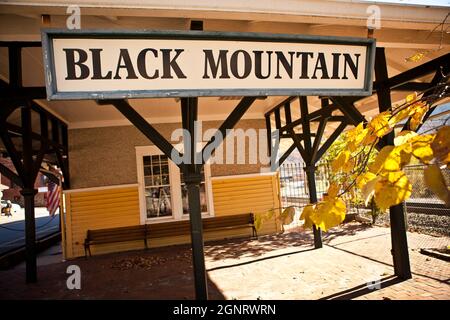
[
  {"x": 294, "y": 185},
  {"x": 425, "y": 211}
]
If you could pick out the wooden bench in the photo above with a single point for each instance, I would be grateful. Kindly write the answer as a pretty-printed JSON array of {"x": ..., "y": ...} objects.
[
  {"x": 165, "y": 229},
  {"x": 231, "y": 222},
  {"x": 110, "y": 235}
]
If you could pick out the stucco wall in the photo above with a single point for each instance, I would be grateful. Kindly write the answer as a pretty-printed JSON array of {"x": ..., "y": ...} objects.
[{"x": 106, "y": 156}]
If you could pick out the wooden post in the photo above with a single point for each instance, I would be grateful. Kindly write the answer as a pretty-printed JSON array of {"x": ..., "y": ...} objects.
[
  {"x": 399, "y": 240},
  {"x": 310, "y": 176},
  {"x": 310, "y": 164},
  {"x": 30, "y": 235},
  {"x": 28, "y": 193},
  {"x": 193, "y": 178}
]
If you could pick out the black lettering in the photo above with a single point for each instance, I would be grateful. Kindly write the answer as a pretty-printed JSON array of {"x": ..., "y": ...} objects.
[
  {"x": 286, "y": 64},
  {"x": 214, "y": 67},
  {"x": 304, "y": 63},
  {"x": 97, "y": 67},
  {"x": 247, "y": 64},
  {"x": 142, "y": 66},
  {"x": 171, "y": 64},
  {"x": 71, "y": 64},
  {"x": 335, "y": 65},
  {"x": 322, "y": 66},
  {"x": 258, "y": 64},
  {"x": 353, "y": 66},
  {"x": 125, "y": 63}
]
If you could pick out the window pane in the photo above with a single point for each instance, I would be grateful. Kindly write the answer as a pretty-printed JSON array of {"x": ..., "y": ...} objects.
[
  {"x": 165, "y": 179},
  {"x": 158, "y": 202},
  {"x": 157, "y": 186},
  {"x": 184, "y": 196},
  {"x": 156, "y": 180},
  {"x": 184, "y": 199},
  {"x": 203, "y": 199}
]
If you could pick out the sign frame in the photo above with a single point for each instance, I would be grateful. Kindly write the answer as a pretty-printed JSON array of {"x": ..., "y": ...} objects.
[{"x": 52, "y": 93}]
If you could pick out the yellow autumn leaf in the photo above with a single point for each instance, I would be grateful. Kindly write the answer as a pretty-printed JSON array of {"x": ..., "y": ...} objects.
[
  {"x": 403, "y": 137},
  {"x": 340, "y": 161},
  {"x": 369, "y": 138},
  {"x": 357, "y": 137},
  {"x": 400, "y": 115},
  {"x": 368, "y": 190},
  {"x": 405, "y": 112},
  {"x": 411, "y": 97},
  {"x": 421, "y": 147},
  {"x": 333, "y": 190},
  {"x": 379, "y": 126},
  {"x": 417, "y": 116},
  {"x": 354, "y": 137},
  {"x": 306, "y": 216},
  {"x": 348, "y": 166},
  {"x": 403, "y": 152},
  {"x": 441, "y": 145},
  {"x": 364, "y": 178},
  {"x": 269, "y": 215},
  {"x": 436, "y": 182},
  {"x": 393, "y": 161},
  {"x": 351, "y": 146},
  {"x": 391, "y": 189},
  {"x": 260, "y": 218},
  {"x": 381, "y": 159},
  {"x": 287, "y": 216},
  {"x": 353, "y": 134},
  {"x": 258, "y": 221},
  {"x": 416, "y": 57},
  {"x": 329, "y": 214}
]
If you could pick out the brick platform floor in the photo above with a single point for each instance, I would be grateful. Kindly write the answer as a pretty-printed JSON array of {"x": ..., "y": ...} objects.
[{"x": 355, "y": 263}]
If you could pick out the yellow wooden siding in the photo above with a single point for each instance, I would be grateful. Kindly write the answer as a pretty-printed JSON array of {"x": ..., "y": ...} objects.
[
  {"x": 117, "y": 207},
  {"x": 257, "y": 194},
  {"x": 107, "y": 208}
]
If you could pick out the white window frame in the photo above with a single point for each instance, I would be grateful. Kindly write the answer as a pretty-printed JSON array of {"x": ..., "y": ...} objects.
[{"x": 175, "y": 187}]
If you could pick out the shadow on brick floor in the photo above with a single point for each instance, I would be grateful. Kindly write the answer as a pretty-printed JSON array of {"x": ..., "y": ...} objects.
[{"x": 363, "y": 289}]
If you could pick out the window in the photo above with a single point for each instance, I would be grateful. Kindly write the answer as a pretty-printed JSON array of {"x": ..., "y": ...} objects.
[
  {"x": 157, "y": 186},
  {"x": 184, "y": 196},
  {"x": 162, "y": 190}
]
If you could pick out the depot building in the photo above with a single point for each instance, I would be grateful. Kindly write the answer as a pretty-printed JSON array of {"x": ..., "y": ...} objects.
[{"x": 102, "y": 103}]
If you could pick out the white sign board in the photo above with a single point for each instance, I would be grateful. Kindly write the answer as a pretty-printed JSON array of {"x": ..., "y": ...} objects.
[{"x": 105, "y": 65}]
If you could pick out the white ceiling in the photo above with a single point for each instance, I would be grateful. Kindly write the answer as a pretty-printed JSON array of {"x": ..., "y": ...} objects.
[{"x": 401, "y": 41}]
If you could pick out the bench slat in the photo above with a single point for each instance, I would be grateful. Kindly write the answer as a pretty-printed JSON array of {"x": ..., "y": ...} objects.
[{"x": 115, "y": 239}]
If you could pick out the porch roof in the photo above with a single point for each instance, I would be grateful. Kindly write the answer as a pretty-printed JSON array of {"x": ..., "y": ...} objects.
[{"x": 403, "y": 35}]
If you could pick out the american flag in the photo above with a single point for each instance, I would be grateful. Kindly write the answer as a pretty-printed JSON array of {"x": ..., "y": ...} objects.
[{"x": 53, "y": 194}]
